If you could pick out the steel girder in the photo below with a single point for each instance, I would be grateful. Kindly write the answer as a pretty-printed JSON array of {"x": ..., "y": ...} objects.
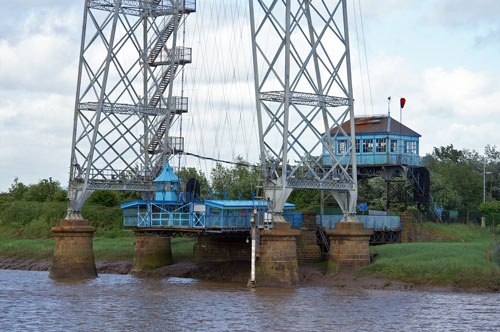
[
  {"x": 303, "y": 94},
  {"x": 115, "y": 118}
]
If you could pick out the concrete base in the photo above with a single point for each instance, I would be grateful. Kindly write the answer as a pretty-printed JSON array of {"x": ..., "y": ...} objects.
[
  {"x": 151, "y": 252},
  {"x": 349, "y": 245},
  {"x": 73, "y": 253},
  {"x": 221, "y": 248},
  {"x": 277, "y": 262}
]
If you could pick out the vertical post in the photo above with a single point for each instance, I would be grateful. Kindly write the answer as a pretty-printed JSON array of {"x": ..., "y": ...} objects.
[
  {"x": 483, "y": 220},
  {"x": 257, "y": 95},
  {"x": 287, "y": 97},
  {"x": 145, "y": 92},
  {"x": 388, "y": 195},
  {"x": 353, "y": 196}
]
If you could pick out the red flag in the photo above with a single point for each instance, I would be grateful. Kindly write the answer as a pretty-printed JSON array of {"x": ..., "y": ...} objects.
[{"x": 402, "y": 102}]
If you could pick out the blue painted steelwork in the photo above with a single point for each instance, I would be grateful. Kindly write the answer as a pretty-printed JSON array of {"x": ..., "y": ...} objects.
[
  {"x": 170, "y": 211},
  {"x": 170, "y": 184},
  {"x": 406, "y": 152},
  {"x": 218, "y": 215},
  {"x": 371, "y": 222}
]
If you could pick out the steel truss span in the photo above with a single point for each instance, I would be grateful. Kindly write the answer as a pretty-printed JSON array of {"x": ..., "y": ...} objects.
[
  {"x": 303, "y": 91},
  {"x": 126, "y": 98}
]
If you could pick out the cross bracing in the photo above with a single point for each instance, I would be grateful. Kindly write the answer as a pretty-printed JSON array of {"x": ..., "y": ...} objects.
[
  {"x": 126, "y": 101},
  {"x": 153, "y": 8},
  {"x": 303, "y": 94}
]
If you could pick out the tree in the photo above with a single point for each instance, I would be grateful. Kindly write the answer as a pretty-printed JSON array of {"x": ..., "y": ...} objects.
[
  {"x": 44, "y": 191},
  {"x": 490, "y": 210},
  {"x": 186, "y": 173},
  {"x": 373, "y": 192},
  {"x": 448, "y": 153},
  {"x": 456, "y": 178},
  {"x": 241, "y": 178},
  {"x": 17, "y": 190}
]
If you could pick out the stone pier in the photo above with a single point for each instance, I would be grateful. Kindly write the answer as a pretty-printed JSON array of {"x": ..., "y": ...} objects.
[
  {"x": 73, "y": 252},
  {"x": 308, "y": 250},
  {"x": 349, "y": 245},
  {"x": 221, "y": 248},
  {"x": 151, "y": 252},
  {"x": 407, "y": 228},
  {"x": 277, "y": 258}
]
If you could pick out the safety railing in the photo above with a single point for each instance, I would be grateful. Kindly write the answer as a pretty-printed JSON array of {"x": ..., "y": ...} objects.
[
  {"x": 221, "y": 221},
  {"x": 371, "y": 222}
]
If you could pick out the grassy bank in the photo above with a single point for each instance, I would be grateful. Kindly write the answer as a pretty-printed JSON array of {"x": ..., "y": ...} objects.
[
  {"x": 462, "y": 262},
  {"x": 116, "y": 249},
  {"x": 33, "y": 220}
]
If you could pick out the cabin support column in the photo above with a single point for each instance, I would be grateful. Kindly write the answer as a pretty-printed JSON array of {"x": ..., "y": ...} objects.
[
  {"x": 349, "y": 245},
  {"x": 73, "y": 253},
  {"x": 151, "y": 252}
]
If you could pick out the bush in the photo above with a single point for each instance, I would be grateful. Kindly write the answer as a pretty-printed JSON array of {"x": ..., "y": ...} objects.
[{"x": 104, "y": 198}]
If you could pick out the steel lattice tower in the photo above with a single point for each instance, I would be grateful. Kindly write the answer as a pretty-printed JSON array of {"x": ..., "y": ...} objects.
[
  {"x": 304, "y": 94},
  {"x": 126, "y": 102}
]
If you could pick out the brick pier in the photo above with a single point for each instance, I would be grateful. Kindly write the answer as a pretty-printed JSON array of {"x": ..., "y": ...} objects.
[
  {"x": 349, "y": 245},
  {"x": 308, "y": 250},
  {"x": 277, "y": 263},
  {"x": 73, "y": 252}
]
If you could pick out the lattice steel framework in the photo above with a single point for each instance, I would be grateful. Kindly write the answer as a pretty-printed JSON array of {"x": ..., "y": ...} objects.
[
  {"x": 304, "y": 94},
  {"x": 125, "y": 99}
]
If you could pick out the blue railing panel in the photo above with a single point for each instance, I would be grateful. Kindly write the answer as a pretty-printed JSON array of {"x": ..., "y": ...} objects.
[{"x": 371, "y": 222}]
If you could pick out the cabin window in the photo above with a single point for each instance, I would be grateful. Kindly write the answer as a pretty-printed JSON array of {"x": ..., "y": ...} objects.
[
  {"x": 411, "y": 147},
  {"x": 381, "y": 145},
  {"x": 367, "y": 145},
  {"x": 358, "y": 146},
  {"x": 342, "y": 146},
  {"x": 394, "y": 145}
]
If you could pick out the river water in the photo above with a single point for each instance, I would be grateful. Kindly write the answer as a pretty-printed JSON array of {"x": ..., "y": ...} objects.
[{"x": 30, "y": 301}]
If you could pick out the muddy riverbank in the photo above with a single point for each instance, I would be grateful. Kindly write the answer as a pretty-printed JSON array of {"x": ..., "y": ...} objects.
[{"x": 238, "y": 272}]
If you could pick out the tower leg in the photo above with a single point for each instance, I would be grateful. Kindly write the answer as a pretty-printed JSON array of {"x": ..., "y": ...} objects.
[
  {"x": 73, "y": 253},
  {"x": 151, "y": 252}
]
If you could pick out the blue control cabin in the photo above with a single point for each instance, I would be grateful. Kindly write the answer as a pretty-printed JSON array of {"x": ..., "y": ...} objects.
[{"x": 380, "y": 141}]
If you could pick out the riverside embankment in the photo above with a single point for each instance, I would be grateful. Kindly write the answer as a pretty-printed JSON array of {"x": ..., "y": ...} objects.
[{"x": 458, "y": 264}]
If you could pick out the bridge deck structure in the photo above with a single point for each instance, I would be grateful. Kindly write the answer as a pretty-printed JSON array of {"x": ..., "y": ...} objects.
[
  {"x": 227, "y": 216},
  {"x": 217, "y": 216}
]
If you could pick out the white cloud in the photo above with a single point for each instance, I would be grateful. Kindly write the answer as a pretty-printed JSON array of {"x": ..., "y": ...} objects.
[
  {"x": 457, "y": 106},
  {"x": 464, "y": 12}
]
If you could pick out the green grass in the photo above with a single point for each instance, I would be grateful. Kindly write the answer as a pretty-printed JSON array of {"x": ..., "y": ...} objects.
[
  {"x": 462, "y": 262},
  {"x": 182, "y": 248},
  {"x": 113, "y": 249},
  {"x": 33, "y": 220},
  {"x": 26, "y": 248},
  {"x": 461, "y": 232}
]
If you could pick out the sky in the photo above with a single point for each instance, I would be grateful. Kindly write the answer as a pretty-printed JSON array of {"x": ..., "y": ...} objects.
[{"x": 441, "y": 55}]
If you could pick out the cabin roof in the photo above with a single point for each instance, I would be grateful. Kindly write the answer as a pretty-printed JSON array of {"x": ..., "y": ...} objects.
[
  {"x": 241, "y": 204},
  {"x": 167, "y": 175},
  {"x": 221, "y": 204},
  {"x": 377, "y": 125}
]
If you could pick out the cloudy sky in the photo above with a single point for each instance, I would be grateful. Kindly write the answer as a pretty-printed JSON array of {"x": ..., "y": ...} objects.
[{"x": 441, "y": 55}]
